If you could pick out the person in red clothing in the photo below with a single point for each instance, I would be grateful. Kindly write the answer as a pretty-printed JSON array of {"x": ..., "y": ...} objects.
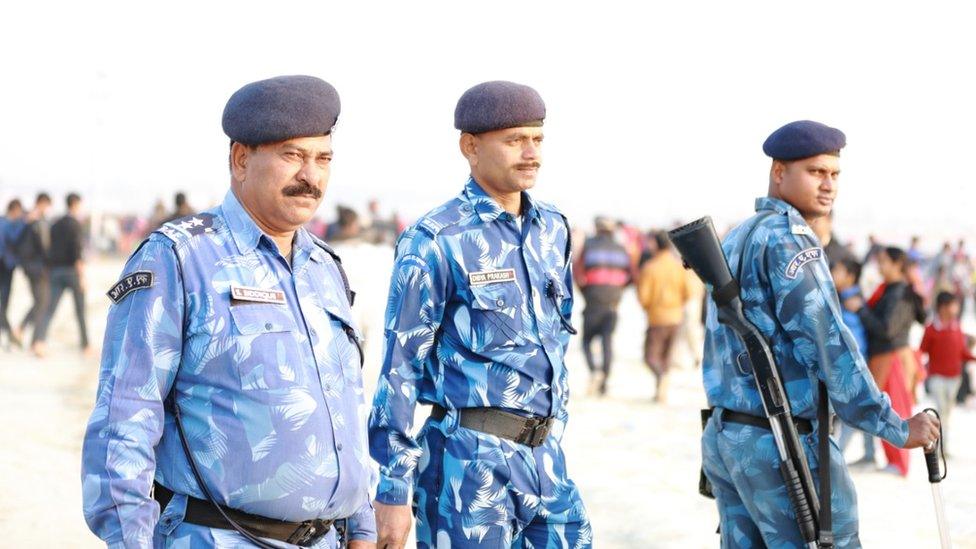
[{"x": 945, "y": 345}]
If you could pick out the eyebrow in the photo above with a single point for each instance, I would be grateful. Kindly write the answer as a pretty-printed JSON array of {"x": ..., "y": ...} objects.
[
  {"x": 305, "y": 151},
  {"x": 520, "y": 135}
]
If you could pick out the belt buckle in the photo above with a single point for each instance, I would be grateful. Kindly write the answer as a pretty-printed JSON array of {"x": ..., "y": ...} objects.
[
  {"x": 305, "y": 533},
  {"x": 538, "y": 432}
]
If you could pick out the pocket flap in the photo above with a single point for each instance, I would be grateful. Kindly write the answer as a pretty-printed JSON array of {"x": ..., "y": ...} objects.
[
  {"x": 260, "y": 318},
  {"x": 495, "y": 297}
]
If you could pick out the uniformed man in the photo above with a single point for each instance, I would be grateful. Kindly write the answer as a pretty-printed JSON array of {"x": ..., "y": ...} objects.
[
  {"x": 788, "y": 294},
  {"x": 231, "y": 369},
  {"x": 478, "y": 321}
]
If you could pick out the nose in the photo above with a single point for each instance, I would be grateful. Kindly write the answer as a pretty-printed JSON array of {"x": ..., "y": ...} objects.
[
  {"x": 531, "y": 150},
  {"x": 310, "y": 173},
  {"x": 829, "y": 182}
]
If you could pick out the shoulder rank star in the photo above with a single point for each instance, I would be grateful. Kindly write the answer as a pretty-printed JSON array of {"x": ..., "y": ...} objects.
[
  {"x": 801, "y": 229},
  {"x": 197, "y": 224}
]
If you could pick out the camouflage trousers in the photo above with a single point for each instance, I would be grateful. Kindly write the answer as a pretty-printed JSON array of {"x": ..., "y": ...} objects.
[
  {"x": 742, "y": 464},
  {"x": 478, "y": 490}
]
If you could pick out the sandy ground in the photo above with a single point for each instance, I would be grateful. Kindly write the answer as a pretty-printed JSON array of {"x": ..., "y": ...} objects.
[{"x": 636, "y": 463}]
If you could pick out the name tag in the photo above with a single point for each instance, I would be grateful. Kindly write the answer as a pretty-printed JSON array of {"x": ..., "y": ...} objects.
[
  {"x": 257, "y": 295},
  {"x": 490, "y": 277},
  {"x": 801, "y": 259}
]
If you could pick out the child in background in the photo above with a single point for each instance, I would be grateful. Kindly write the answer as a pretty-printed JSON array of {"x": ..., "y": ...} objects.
[
  {"x": 846, "y": 273},
  {"x": 945, "y": 345}
]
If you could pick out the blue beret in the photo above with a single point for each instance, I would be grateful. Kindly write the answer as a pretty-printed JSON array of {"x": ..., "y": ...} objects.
[
  {"x": 498, "y": 105},
  {"x": 803, "y": 139},
  {"x": 281, "y": 108}
]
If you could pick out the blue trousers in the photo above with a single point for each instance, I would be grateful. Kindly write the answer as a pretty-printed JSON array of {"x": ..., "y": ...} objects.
[
  {"x": 478, "y": 490},
  {"x": 754, "y": 509}
]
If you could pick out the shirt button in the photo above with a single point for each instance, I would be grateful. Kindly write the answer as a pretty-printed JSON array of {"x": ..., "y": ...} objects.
[
  {"x": 339, "y": 446},
  {"x": 268, "y": 326},
  {"x": 500, "y": 302},
  {"x": 312, "y": 331}
]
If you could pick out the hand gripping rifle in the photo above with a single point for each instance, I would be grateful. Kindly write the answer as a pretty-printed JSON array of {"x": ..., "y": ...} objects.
[{"x": 701, "y": 251}]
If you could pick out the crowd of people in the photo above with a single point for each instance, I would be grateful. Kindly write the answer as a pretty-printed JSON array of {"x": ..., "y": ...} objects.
[
  {"x": 886, "y": 297},
  {"x": 50, "y": 251}
]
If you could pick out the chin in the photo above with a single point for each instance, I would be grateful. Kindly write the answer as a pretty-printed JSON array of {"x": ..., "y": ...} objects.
[{"x": 525, "y": 184}]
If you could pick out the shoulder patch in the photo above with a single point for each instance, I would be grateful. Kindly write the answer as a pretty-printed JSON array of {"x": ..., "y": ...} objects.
[
  {"x": 801, "y": 259},
  {"x": 130, "y": 283}
]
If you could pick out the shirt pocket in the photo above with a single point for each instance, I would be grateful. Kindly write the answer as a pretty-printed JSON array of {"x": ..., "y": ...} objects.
[
  {"x": 496, "y": 317},
  {"x": 266, "y": 348}
]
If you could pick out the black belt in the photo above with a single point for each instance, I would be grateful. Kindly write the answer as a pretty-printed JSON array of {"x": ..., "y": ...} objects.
[
  {"x": 531, "y": 431},
  {"x": 203, "y": 513},
  {"x": 803, "y": 426}
]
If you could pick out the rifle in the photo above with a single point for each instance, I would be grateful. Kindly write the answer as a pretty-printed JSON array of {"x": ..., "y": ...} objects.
[{"x": 701, "y": 251}]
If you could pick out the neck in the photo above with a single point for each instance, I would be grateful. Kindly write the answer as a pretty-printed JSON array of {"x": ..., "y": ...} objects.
[
  {"x": 282, "y": 238},
  {"x": 511, "y": 202}
]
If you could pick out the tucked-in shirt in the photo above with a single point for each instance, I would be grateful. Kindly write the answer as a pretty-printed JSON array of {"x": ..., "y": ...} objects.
[
  {"x": 263, "y": 361},
  {"x": 788, "y": 294},
  {"x": 66, "y": 242},
  {"x": 946, "y": 346},
  {"x": 475, "y": 318}
]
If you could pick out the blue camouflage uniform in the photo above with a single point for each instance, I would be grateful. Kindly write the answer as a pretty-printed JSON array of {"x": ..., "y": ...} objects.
[
  {"x": 461, "y": 345},
  {"x": 270, "y": 389},
  {"x": 787, "y": 292}
]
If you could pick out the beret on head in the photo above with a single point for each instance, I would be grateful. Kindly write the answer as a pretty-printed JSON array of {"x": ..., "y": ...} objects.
[
  {"x": 803, "y": 139},
  {"x": 281, "y": 108},
  {"x": 498, "y": 105}
]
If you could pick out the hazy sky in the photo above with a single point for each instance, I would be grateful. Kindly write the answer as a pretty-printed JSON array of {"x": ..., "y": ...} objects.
[{"x": 655, "y": 112}]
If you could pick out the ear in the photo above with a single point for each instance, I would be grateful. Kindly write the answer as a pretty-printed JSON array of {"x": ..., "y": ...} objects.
[
  {"x": 468, "y": 144},
  {"x": 239, "y": 156},
  {"x": 776, "y": 172}
]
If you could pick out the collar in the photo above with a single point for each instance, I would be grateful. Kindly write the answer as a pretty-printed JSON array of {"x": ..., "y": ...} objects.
[
  {"x": 242, "y": 228},
  {"x": 488, "y": 210},
  {"x": 777, "y": 205},
  {"x": 247, "y": 235},
  {"x": 940, "y": 326}
]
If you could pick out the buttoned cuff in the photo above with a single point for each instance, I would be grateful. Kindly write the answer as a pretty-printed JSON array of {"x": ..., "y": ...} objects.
[
  {"x": 392, "y": 491},
  {"x": 896, "y": 429}
]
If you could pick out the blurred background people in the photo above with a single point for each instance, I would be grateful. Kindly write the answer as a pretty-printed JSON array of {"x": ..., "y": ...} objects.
[
  {"x": 662, "y": 289},
  {"x": 602, "y": 271}
]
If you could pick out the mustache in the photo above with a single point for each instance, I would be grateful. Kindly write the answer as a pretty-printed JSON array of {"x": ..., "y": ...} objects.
[
  {"x": 302, "y": 188},
  {"x": 527, "y": 165}
]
